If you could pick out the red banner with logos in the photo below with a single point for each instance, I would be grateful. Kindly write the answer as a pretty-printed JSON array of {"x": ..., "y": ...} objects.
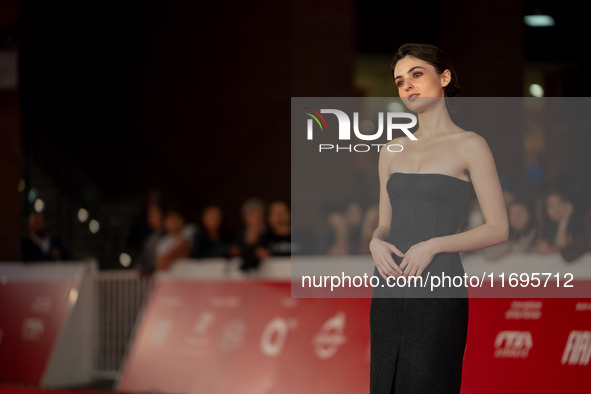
[
  {"x": 529, "y": 345},
  {"x": 31, "y": 316},
  {"x": 248, "y": 337},
  {"x": 252, "y": 337},
  {"x": 26, "y": 390}
]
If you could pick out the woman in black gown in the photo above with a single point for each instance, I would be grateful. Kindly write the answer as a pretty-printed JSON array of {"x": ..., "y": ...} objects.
[{"x": 418, "y": 336}]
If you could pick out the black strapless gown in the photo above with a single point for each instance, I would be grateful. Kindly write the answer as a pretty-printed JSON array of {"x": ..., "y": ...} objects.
[{"x": 418, "y": 336}]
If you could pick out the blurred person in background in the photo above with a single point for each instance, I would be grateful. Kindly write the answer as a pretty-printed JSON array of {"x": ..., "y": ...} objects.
[
  {"x": 140, "y": 228},
  {"x": 558, "y": 224},
  {"x": 354, "y": 216},
  {"x": 339, "y": 233},
  {"x": 581, "y": 242},
  {"x": 522, "y": 232},
  {"x": 247, "y": 240},
  {"x": 146, "y": 257},
  {"x": 474, "y": 218},
  {"x": 276, "y": 241},
  {"x": 370, "y": 223},
  {"x": 507, "y": 186},
  {"x": 38, "y": 244},
  {"x": 211, "y": 238},
  {"x": 346, "y": 230},
  {"x": 177, "y": 242}
]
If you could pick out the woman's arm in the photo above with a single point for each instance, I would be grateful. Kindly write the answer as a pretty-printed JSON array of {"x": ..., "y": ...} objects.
[
  {"x": 340, "y": 246},
  {"x": 380, "y": 249},
  {"x": 384, "y": 209},
  {"x": 483, "y": 173}
]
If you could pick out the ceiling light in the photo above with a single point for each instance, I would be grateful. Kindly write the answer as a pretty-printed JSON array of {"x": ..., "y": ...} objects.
[{"x": 538, "y": 20}]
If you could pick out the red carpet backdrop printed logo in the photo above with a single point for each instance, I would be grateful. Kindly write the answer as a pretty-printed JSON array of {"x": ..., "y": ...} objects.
[
  {"x": 251, "y": 337},
  {"x": 528, "y": 346},
  {"x": 31, "y": 316},
  {"x": 247, "y": 337}
]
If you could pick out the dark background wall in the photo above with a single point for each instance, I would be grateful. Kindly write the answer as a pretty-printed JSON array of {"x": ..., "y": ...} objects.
[
  {"x": 188, "y": 97},
  {"x": 192, "y": 98},
  {"x": 10, "y": 153}
]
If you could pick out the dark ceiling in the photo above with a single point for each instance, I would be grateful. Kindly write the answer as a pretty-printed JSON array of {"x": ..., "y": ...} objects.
[{"x": 382, "y": 26}]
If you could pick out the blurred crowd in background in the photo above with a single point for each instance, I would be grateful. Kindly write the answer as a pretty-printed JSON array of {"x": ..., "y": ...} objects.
[
  {"x": 162, "y": 233},
  {"x": 546, "y": 224}
]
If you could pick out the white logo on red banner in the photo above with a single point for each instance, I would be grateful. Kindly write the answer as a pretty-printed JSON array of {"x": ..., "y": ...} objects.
[
  {"x": 41, "y": 304},
  {"x": 330, "y": 337},
  {"x": 513, "y": 344},
  {"x": 160, "y": 332},
  {"x": 577, "y": 350},
  {"x": 171, "y": 302},
  {"x": 197, "y": 344},
  {"x": 289, "y": 302},
  {"x": 232, "y": 335},
  {"x": 583, "y": 306},
  {"x": 32, "y": 329},
  {"x": 203, "y": 323},
  {"x": 531, "y": 310},
  {"x": 275, "y": 334},
  {"x": 226, "y": 302}
]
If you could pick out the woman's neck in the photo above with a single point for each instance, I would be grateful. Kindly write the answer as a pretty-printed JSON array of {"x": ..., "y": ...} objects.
[{"x": 434, "y": 121}]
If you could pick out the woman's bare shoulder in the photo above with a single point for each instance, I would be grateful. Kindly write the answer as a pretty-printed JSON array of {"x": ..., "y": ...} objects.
[
  {"x": 402, "y": 140},
  {"x": 473, "y": 150},
  {"x": 470, "y": 141}
]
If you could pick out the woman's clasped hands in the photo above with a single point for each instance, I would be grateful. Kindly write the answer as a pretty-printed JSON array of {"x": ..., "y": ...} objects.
[{"x": 416, "y": 259}]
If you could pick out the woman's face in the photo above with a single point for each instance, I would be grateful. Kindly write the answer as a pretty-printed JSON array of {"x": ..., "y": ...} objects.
[
  {"x": 554, "y": 207},
  {"x": 173, "y": 223},
  {"x": 36, "y": 223},
  {"x": 255, "y": 216},
  {"x": 154, "y": 217},
  {"x": 418, "y": 82},
  {"x": 518, "y": 216},
  {"x": 279, "y": 215},
  {"x": 212, "y": 217}
]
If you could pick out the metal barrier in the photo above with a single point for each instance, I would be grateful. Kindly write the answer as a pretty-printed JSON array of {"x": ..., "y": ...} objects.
[{"x": 120, "y": 297}]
